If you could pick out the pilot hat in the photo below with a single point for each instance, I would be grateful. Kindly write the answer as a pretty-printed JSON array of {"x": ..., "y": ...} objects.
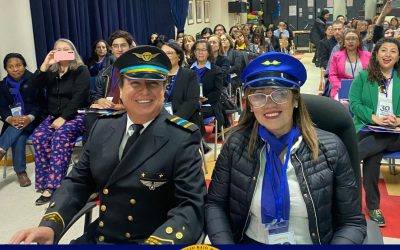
[
  {"x": 144, "y": 62},
  {"x": 274, "y": 70}
]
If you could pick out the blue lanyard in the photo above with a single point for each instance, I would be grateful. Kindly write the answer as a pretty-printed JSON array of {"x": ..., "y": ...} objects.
[
  {"x": 353, "y": 71},
  {"x": 387, "y": 83},
  {"x": 279, "y": 199},
  {"x": 169, "y": 92}
]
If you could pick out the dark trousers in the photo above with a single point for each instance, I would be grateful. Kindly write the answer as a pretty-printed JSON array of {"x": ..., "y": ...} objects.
[{"x": 371, "y": 147}]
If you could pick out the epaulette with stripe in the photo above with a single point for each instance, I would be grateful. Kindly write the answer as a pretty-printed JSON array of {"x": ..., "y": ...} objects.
[
  {"x": 183, "y": 123},
  {"x": 112, "y": 114}
]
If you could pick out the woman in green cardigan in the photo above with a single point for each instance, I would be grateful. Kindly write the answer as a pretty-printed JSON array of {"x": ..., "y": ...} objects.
[{"x": 374, "y": 99}]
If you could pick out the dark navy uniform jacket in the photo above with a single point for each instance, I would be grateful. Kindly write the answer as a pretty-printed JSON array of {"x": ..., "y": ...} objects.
[{"x": 154, "y": 195}]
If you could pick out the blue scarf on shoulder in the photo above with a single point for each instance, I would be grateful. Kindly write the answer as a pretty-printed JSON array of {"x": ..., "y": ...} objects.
[
  {"x": 200, "y": 72},
  {"x": 14, "y": 88},
  {"x": 275, "y": 198}
]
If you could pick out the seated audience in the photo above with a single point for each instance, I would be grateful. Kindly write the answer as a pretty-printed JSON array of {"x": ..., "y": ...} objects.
[
  {"x": 374, "y": 100},
  {"x": 101, "y": 58},
  {"x": 235, "y": 58},
  {"x": 106, "y": 94},
  {"x": 206, "y": 33},
  {"x": 152, "y": 39},
  {"x": 20, "y": 110},
  {"x": 67, "y": 87},
  {"x": 182, "y": 90},
  {"x": 278, "y": 179},
  {"x": 219, "y": 58},
  {"x": 145, "y": 165},
  {"x": 272, "y": 41},
  {"x": 219, "y": 29},
  {"x": 188, "y": 41},
  {"x": 210, "y": 78},
  {"x": 179, "y": 39},
  {"x": 348, "y": 61}
]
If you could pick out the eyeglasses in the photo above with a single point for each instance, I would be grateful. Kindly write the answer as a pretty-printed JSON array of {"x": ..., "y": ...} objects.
[
  {"x": 224, "y": 39},
  {"x": 279, "y": 96},
  {"x": 351, "y": 38},
  {"x": 120, "y": 46},
  {"x": 200, "y": 50}
]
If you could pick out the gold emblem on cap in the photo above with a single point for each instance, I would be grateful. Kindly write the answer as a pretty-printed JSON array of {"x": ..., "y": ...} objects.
[
  {"x": 274, "y": 62},
  {"x": 169, "y": 230},
  {"x": 146, "y": 56},
  {"x": 179, "y": 235}
]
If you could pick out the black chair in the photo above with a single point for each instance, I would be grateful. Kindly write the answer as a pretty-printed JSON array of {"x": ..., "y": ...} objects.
[{"x": 332, "y": 116}]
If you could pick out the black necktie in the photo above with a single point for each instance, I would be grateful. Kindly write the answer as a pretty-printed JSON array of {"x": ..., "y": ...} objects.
[{"x": 132, "y": 138}]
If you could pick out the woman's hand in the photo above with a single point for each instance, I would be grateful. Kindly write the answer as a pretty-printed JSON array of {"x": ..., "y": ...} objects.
[
  {"x": 23, "y": 121},
  {"x": 57, "y": 123},
  {"x": 391, "y": 121},
  {"x": 48, "y": 61},
  {"x": 105, "y": 104},
  {"x": 13, "y": 121},
  {"x": 41, "y": 235},
  {"x": 378, "y": 120}
]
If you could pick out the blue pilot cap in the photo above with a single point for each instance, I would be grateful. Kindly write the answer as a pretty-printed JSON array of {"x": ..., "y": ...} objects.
[{"x": 275, "y": 70}]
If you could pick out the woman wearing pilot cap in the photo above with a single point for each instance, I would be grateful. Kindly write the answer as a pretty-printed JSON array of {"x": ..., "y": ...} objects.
[{"x": 272, "y": 183}]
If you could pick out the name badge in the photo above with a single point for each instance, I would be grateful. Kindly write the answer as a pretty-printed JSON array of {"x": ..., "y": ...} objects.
[
  {"x": 201, "y": 89},
  {"x": 16, "y": 109},
  {"x": 385, "y": 108},
  {"x": 282, "y": 239},
  {"x": 278, "y": 233},
  {"x": 168, "y": 107}
]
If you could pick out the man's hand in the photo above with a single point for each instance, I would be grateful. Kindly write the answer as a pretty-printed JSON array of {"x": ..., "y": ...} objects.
[
  {"x": 41, "y": 235},
  {"x": 57, "y": 123}
]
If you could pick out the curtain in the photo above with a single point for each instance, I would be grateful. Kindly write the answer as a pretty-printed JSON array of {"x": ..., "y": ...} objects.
[
  {"x": 179, "y": 11},
  {"x": 84, "y": 21}
]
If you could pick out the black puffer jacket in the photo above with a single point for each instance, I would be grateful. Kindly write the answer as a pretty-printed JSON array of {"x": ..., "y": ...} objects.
[{"x": 330, "y": 191}]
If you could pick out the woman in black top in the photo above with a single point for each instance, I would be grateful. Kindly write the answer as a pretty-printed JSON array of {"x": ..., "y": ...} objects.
[{"x": 67, "y": 88}]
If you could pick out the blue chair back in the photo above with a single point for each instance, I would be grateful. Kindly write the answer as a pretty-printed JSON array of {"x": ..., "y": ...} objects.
[{"x": 344, "y": 89}]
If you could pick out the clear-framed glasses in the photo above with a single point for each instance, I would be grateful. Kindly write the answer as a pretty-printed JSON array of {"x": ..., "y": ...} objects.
[
  {"x": 201, "y": 50},
  {"x": 351, "y": 38},
  {"x": 279, "y": 96},
  {"x": 169, "y": 53}
]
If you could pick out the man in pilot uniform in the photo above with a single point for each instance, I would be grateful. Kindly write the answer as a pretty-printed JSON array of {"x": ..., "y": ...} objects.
[{"x": 144, "y": 163}]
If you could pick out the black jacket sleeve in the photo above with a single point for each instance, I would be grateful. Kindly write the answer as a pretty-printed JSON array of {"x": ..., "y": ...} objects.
[
  {"x": 81, "y": 92},
  {"x": 190, "y": 104}
]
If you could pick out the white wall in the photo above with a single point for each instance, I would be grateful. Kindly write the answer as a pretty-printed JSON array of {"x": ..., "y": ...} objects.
[
  {"x": 218, "y": 14},
  {"x": 339, "y": 8},
  {"x": 16, "y": 32}
]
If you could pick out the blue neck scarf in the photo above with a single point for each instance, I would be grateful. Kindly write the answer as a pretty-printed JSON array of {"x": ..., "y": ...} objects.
[
  {"x": 275, "y": 198},
  {"x": 14, "y": 87},
  {"x": 200, "y": 72}
]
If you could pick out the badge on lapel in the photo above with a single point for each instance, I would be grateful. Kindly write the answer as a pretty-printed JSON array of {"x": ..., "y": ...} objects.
[{"x": 153, "y": 180}]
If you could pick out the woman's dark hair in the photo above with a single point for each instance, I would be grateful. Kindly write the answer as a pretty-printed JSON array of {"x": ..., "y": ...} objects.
[
  {"x": 161, "y": 39},
  {"x": 150, "y": 42},
  {"x": 219, "y": 25},
  {"x": 178, "y": 50},
  {"x": 208, "y": 46},
  {"x": 206, "y": 30},
  {"x": 13, "y": 55},
  {"x": 323, "y": 13},
  {"x": 93, "y": 58},
  {"x": 374, "y": 70}
]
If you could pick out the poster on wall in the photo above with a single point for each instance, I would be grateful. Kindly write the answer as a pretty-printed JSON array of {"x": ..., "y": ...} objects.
[
  {"x": 329, "y": 3},
  {"x": 310, "y": 3},
  {"x": 199, "y": 11},
  {"x": 396, "y": 4},
  {"x": 190, "y": 17},
  {"x": 292, "y": 10}
]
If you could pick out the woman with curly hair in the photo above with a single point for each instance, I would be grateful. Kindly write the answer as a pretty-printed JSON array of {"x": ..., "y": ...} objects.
[{"x": 374, "y": 100}]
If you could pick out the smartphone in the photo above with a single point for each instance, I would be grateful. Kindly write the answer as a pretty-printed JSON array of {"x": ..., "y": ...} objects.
[{"x": 64, "y": 56}]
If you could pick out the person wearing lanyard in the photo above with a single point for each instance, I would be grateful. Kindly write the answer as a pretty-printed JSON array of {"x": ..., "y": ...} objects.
[
  {"x": 263, "y": 186},
  {"x": 374, "y": 99},
  {"x": 183, "y": 91},
  {"x": 348, "y": 61}
]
